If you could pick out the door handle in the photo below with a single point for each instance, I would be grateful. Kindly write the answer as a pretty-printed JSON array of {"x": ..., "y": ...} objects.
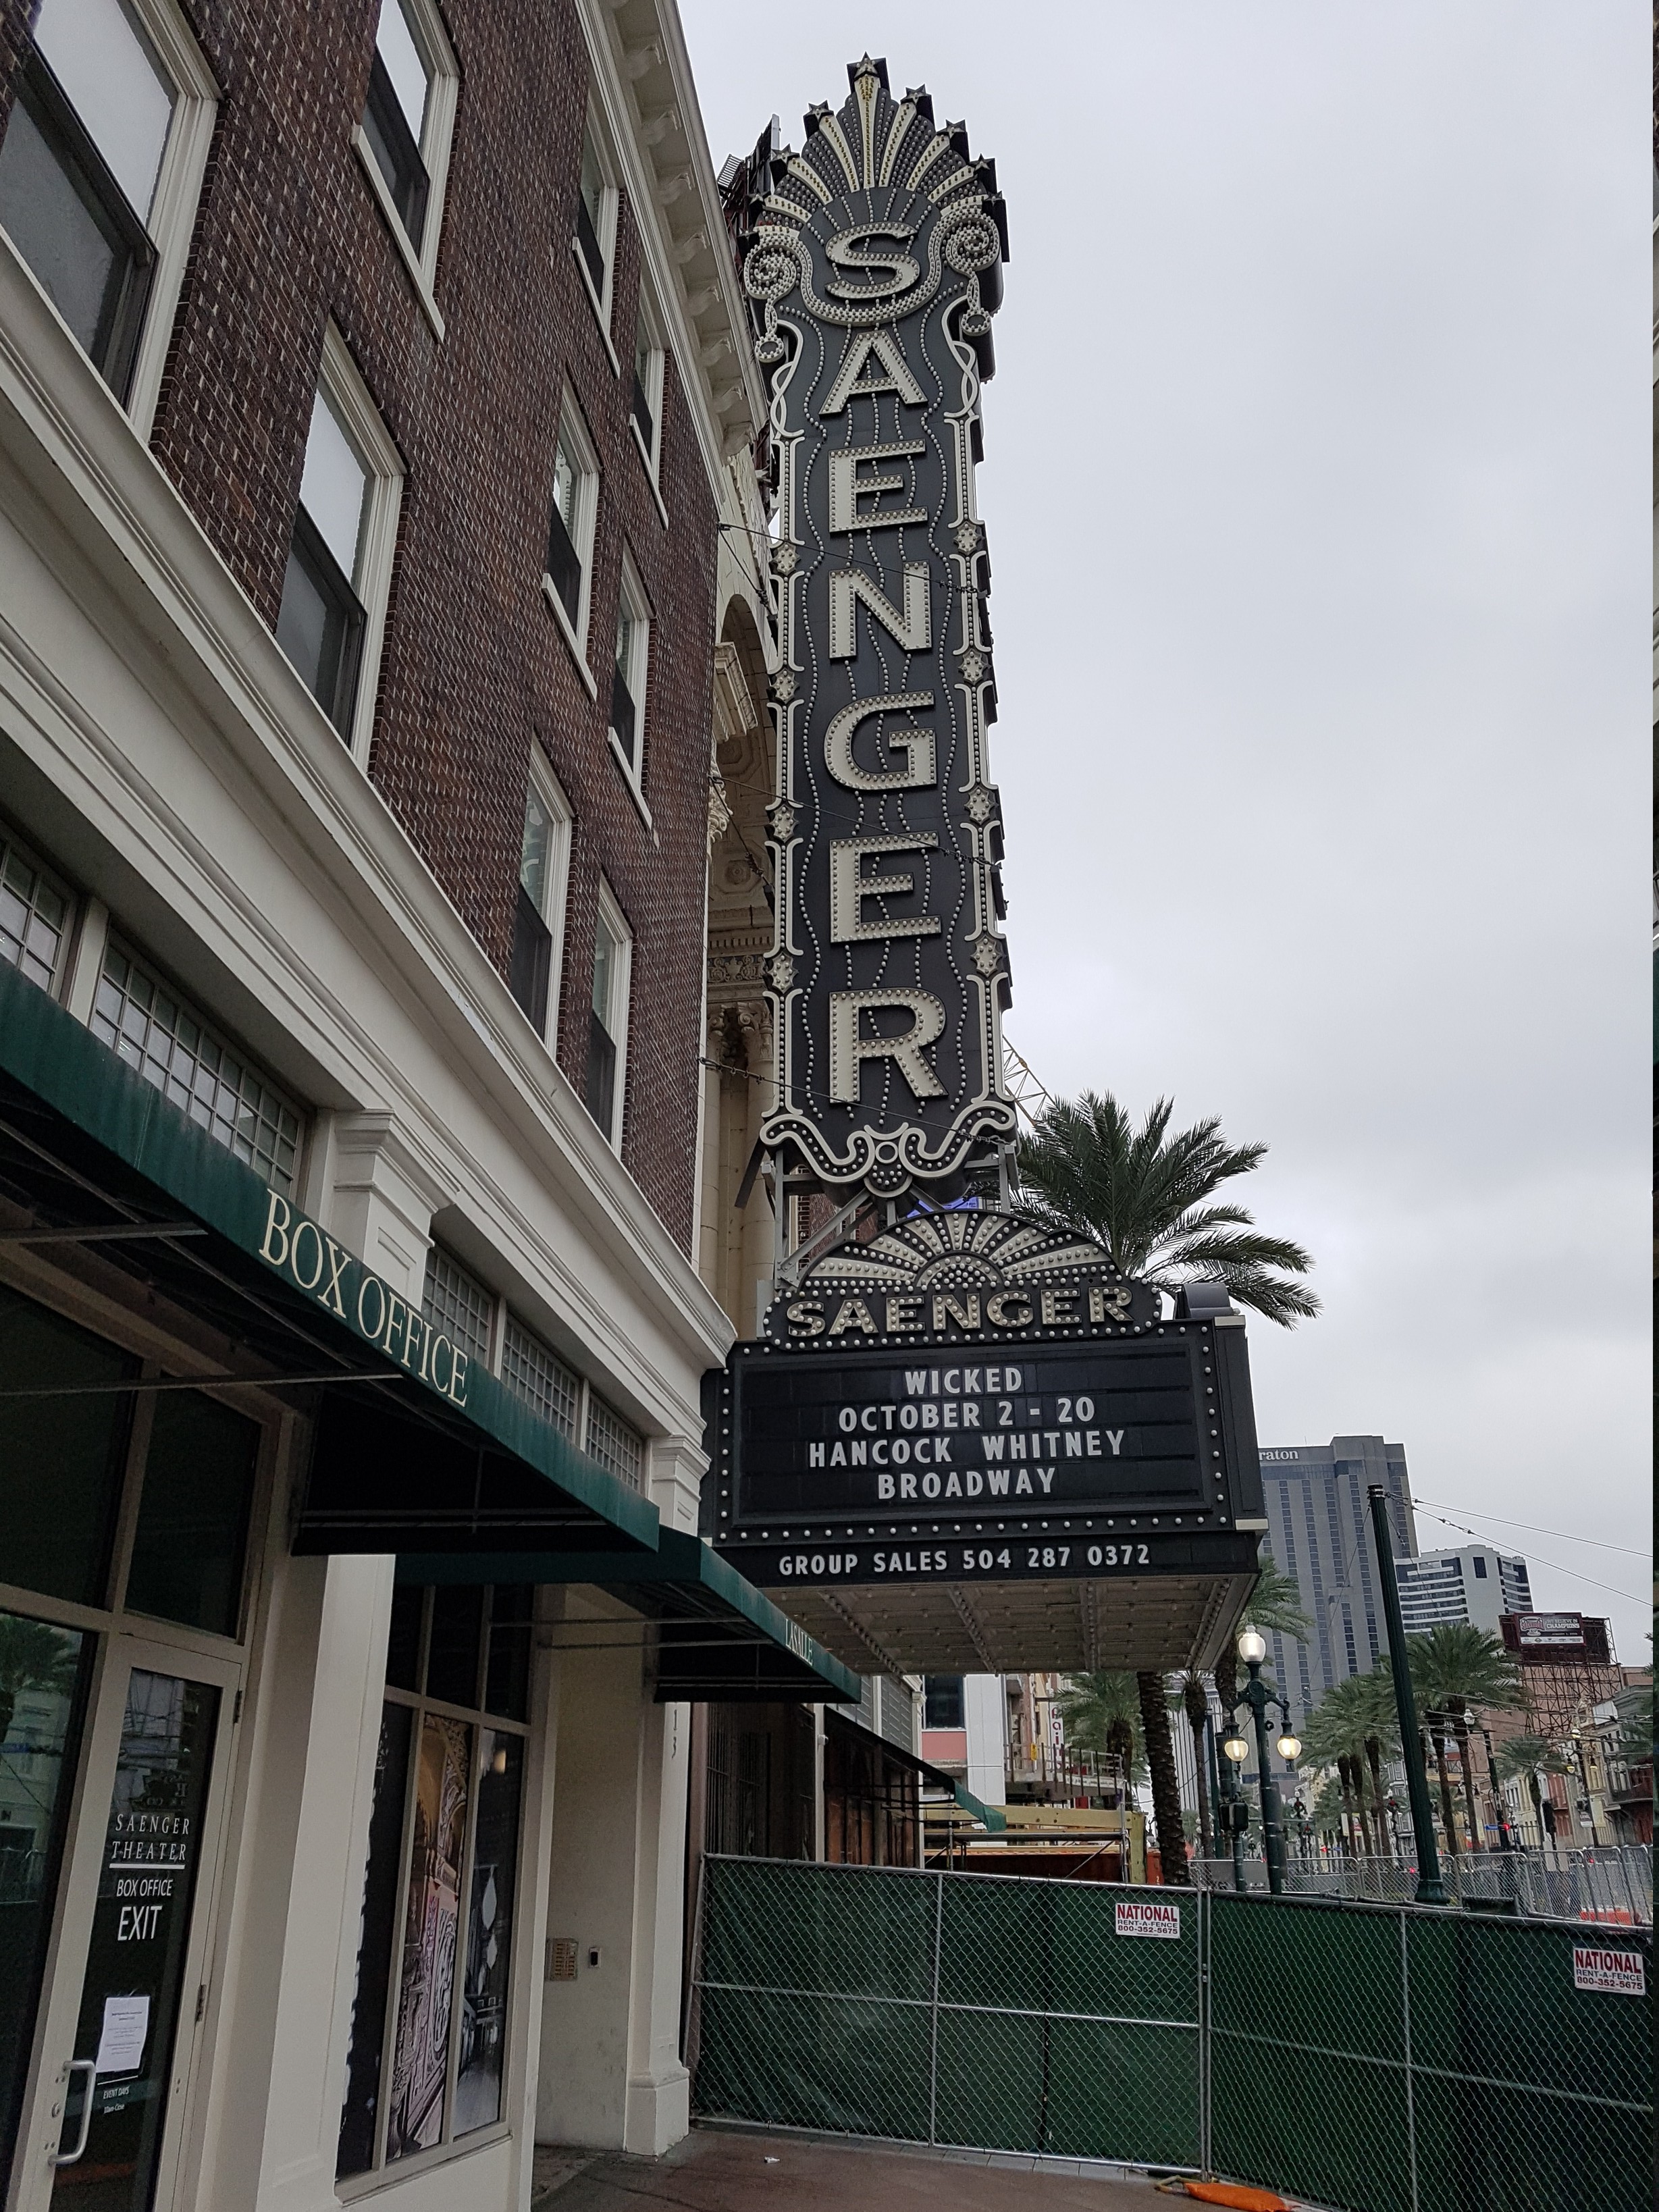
[{"x": 89, "y": 2068}]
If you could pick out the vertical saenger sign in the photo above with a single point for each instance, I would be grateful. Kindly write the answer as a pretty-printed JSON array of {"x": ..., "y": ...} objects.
[{"x": 875, "y": 263}]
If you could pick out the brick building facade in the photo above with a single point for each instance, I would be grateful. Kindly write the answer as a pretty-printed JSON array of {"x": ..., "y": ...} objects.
[
  {"x": 287, "y": 237},
  {"x": 377, "y": 413}
]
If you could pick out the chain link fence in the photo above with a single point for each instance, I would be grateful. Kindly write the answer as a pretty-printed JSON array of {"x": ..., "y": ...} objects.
[
  {"x": 1368, "y": 2058},
  {"x": 1613, "y": 1886},
  {"x": 983, "y": 2011}
]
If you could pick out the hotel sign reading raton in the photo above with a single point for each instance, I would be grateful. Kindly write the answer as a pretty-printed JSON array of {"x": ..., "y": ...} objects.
[{"x": 875, "y": 262}]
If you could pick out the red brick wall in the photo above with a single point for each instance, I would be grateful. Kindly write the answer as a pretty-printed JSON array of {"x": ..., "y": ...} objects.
[{"x": 474, "y": 666}]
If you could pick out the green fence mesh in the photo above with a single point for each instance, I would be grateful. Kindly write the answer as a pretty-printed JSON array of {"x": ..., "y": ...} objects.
[
  {"x": 986, "y": 2011},
  {"x": 1368, "y": 2058}
]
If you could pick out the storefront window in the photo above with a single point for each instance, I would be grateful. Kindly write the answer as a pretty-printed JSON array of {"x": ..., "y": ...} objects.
[
  {"x": 41, "y": 1671},
  {"x": 193, "y": 1513},
  {"x": 60, "y": 1455},
  {"x": 429, "y": 2018}
]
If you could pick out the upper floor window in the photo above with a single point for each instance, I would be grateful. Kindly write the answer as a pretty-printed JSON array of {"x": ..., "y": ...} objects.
[
  {"x": 156, "y": 1031},
  {"x": 455, "y": 1301},
  {"x": 618, "y": 1448},
  {"x": 607, "y": 1028},
  {"x": 942, "y": 1702},
  {"x": 629, "y": 677},
  {"x": 339, "y": 564},
  {"x": 594, "y": 243},
  {"x": 34, "y": 916},
  {"x": 570, "y": 536},
  {"x": 100, "y": 169},
  {"x": 646, "y": 414},
  {"x": 543, "y": 860},
  {"x": 407, "y": 126}
]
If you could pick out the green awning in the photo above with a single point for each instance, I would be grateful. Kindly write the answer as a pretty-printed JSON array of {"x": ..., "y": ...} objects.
[
  {"x": 415, "y": 1448},
  {"x": 719, "y": 1640},
  {"x": 988, "y": 1814}
]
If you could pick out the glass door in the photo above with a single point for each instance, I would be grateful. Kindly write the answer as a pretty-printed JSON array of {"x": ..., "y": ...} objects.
[{"x": 129, "y": 1979}]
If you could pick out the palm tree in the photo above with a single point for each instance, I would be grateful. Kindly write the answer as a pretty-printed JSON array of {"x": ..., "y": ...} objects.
[
  {"x": 1101, "y": 1713},
  {"x": 1140, "y": 1193},
  {"x": 1194, "y": 1702},
  {"x": 1457, "y": 1670},
  {"x": 1166, "y": 1787},
  {"x": 1532, "y": 1755},
  {"x": 1351, "y": 1727},
  {"x": 33, "y": 1655}
]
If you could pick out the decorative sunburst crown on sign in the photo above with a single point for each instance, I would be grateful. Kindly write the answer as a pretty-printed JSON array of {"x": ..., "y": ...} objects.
[{"x": 962, "y": 1271}]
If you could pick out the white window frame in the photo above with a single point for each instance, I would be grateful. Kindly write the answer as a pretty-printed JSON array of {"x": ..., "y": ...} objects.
[
  {"x": 432, "y": 43},
  {"x": 600, "y": 298},
  {"x": 562, "y": 818},
  {"x": 623, "y": 990},
  {"x": 637, "y": 675},
  {"x": 649, "y": 328},
  {"x": 339, "y": 380},
  {"x": 572, "y": 432},
  {"x": 172, "y": 215}
]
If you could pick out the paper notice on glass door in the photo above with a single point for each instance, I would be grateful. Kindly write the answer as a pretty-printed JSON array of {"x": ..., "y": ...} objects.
[{"x": 126, "y": 2024}]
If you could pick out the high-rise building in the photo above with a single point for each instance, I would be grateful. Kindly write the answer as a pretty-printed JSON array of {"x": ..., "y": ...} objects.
[
  {"x": 1319, "y": 1532},
  {"x": 1472, "y": 1585}
]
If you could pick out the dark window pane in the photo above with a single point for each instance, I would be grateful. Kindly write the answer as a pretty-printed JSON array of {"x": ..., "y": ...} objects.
[
  {"x": 941, "y": 1703},
  {"x": 564, "y": 570},
  {"x": 587, "y": 241},
  {"x": 402, "y": 1651},
  {"x": 320, "y": 624},
  {"x": 601, "y": 1074},
  {"x": 490, "y": 1933},
  {"x": 133, "y": 1986},
  {"x": 432, "y": 1912},
  {"x": 532, "y": 960},
  {"x": 452, "y": 1667},
  {"x": 395, "y": 154},
  {"x": 71, "y": 223},
  {"x": 622, "y": 714},
  {"x": 40, "y": 1709},
  {"x": 366, "y": 2049},
  {"x": 507, "y": 1677},
  {"x": 60, "y": 1458},
  {"x": 193, "y": 1513},
  {"x": 642, "y": 411}
]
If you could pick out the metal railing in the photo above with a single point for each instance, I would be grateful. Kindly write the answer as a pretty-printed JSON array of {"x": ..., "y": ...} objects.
[
  {"x": 1367, "y": 2057},
  {"x": 1612, "y": 1888}
]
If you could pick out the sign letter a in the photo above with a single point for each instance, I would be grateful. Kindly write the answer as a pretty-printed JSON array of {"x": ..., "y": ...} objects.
[
  {"x": 851, "y": 382},
  {"x": 848, "y": 1049}
]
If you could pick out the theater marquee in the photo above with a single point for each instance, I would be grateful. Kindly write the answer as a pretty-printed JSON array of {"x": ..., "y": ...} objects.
[{"x": 967, "y": 1398}]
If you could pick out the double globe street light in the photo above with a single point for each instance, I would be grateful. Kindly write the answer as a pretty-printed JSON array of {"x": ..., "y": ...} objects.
[{"x": 1256, "y": 1694}]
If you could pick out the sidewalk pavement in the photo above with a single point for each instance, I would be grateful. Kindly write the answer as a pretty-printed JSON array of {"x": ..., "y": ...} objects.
[{"x": 733, "y": 2170}]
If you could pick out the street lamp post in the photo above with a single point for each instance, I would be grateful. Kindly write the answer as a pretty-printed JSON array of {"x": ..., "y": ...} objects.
[
  {"x": 1431, "y": 1890},
  {"x": 1252, "y": 1650},
  {"x": 1500, "y": 1804},
  {"x": 1238, "y": 1813}
]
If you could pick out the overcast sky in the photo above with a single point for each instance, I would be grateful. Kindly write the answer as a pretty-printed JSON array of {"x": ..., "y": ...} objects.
[{"x": 1314, "y": 491}]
